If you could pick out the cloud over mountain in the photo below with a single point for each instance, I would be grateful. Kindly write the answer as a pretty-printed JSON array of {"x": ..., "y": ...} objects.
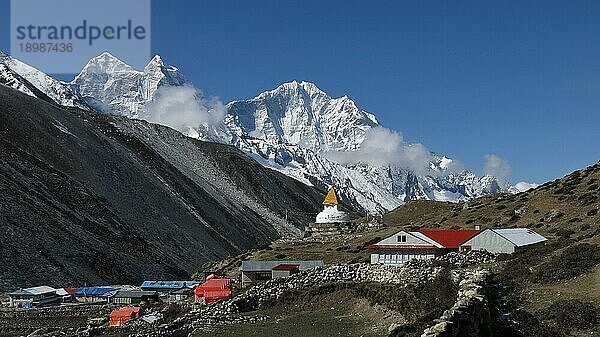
[{"x": 184, "y": 107}]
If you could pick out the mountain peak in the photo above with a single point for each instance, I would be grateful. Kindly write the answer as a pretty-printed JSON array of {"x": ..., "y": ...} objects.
[
  {"x": 36, "y": 83},
  {"x": 105, "y": 62},
  {"x": 156, "y": 61},
  {"x": 112, "y": 86},
  {"x": 106, "y": 57},
  {"x": 296, "y": 87}
]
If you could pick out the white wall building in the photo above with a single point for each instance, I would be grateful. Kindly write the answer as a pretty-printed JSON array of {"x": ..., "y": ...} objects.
[
  {"x": 503, "y": 240},
  {"x": 424, "y": 244}
]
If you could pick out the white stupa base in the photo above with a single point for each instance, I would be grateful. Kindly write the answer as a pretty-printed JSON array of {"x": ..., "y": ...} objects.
[{"x": 332, "y": 215}]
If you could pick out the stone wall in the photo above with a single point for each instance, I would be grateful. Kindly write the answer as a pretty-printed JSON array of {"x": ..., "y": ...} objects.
[
  {"x": 470, "y": 314},
  {"x": 413, "y": 272},
  {"x": 68, "y": 319},
  {"x": 316, "y": 230}
]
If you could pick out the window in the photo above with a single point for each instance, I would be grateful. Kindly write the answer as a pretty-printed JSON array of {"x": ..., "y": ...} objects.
[{"x": 401, "y": 238}]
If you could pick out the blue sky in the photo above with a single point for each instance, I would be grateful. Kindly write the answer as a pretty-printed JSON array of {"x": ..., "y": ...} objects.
[{"x": 519, "y": 79}]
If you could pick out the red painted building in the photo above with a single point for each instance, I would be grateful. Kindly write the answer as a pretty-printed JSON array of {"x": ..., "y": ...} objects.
[
  {"x": 123, "y": 315},
  {"x": 213, "y": 289}
]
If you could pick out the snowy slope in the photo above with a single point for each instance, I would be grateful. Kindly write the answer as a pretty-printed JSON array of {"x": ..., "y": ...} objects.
[
  {"x": 301, "y": 113},
  {"x": 292, "y": 129},
  {"x": 109, "y": 85},
  {"x": 36, "y": 83}
]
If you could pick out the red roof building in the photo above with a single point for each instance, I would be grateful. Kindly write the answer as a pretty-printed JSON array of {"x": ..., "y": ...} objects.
[
  {"x": 286, "y": 267},
  {"x": 213, "y": 289},
  {"x": 424, "y": 244},
  {"x": 284, "y": 270},
  {"x": 123, "y": 315},
  {"x": 450, "y": 238}
]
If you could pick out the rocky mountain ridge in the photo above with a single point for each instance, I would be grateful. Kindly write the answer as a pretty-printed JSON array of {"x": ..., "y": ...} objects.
[
  {"x": 296, "y": 129},
  {"x": 82, "y": 191}
]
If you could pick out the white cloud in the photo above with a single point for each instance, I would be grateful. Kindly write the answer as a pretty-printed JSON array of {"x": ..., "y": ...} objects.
[
  {"x": 184, "y": 107},
  {"x": 497, "y": 167},
  {"x": 383, "y": 146},
  {"x": 523, "y": 186}
]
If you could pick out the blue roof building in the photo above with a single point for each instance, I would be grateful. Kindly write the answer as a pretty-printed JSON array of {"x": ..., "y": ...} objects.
[{"x": 93, "y": 294}]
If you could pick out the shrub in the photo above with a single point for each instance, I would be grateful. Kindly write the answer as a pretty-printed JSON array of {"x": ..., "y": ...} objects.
[
  {"x": 572, "y": 314},
  {"x": 531, "y": 326},
  {"x": 573, "y": 261},
  {"x": 565, "y": 232},
  {"x": 519, "y": 266}
]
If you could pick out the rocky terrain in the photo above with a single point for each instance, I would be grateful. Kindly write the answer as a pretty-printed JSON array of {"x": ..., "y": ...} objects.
[
  {"x": 100, "y": 199},
  {"x": 251, "y": 306},
  {"x": 296, "y": 129}
]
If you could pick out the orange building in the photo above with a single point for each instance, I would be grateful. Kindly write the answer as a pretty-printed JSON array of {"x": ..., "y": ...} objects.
[
  {"x": 125, "y": 314},
  {"x": 213, "y": 289}
]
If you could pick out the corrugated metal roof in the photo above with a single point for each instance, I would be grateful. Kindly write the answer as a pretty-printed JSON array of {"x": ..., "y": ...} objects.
[
  {"x": 93, "y": 291},
  {"x": 134, "y": 294},
  {"x": 401, "y": 247},
  {"x": 62, "y": 292},
  {"x": 267, "y": 266},
  {"x": 34, "y": 291},
  {"x": 519, "y": 236},
  {"x": 169, "y": 284},
  {"x": 425, "y": 238},
  {"x": 125, "y": 312},
  {"x": 40, "y": 290}
]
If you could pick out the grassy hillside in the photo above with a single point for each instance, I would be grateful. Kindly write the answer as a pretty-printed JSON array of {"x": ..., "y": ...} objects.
[
  {"x": 567, "y": 207},
  {"x": 551, "y": 290},
  {"x": 564, "y": 208}
]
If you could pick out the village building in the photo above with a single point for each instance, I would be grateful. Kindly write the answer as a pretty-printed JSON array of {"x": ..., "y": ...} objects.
[
  {"x": 256, "y": 271},
  {"x": 93, "y": 294},
  {"x": 133, "y": 297},
  {"x": 331, "y": 220},
  {"x": 34, "y": 297},
  {"x": 179, "y": 295},
  {"x": 213, "y": 289},
  {"x": 503, "y": 240},
  {"x": 284, "y": 270},
  {"x": 423, "y": 244},
  {"x": 123, "y": 315},
  {"x": 169, "y": 286},
  {"x": 66, "y": 294}
]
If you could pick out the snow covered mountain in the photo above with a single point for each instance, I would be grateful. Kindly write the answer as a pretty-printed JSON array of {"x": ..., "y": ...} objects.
[
  {"x": 109, "y": 85},
  {"x": 302, "y": 114},
  {"x": 296, "y": 129},
  {"x": 36, "y": 83}
]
